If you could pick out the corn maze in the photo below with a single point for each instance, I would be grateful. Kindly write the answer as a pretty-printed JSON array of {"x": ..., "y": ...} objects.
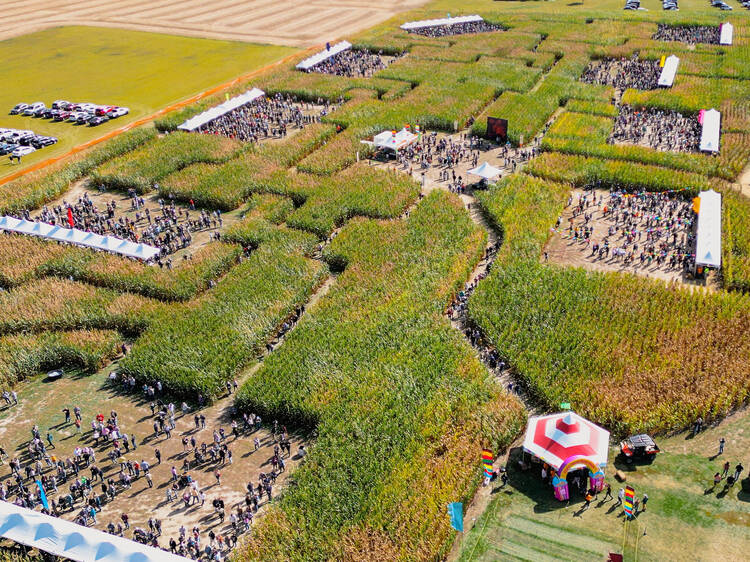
[{"x": 399, "y": 404}]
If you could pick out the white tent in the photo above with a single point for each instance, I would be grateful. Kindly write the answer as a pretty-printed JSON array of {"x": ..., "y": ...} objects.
[
  {"x": 442, "y": 21},
  {"x": 726, "y": 31},
  {"x": 215, "y": 112},
  {"x": 708, "y": 236},
  {"x": 397, "y": 141},
  {"x": 486, "y": 171},
  {"x": 79, "y": 238},
  {"x": 317, "y": 58},
  {"x": 72, "y": 541},
  {"x": 710, "y": 131},
  {"x": 668, "y": 71}
]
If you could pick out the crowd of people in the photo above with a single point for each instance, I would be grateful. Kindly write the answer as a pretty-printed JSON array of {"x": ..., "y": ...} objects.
[
  {"x": 660, "y": 129},
  {"x": 264, "y": 118},
  {"x": 109, "y": 459},
  {"x": 641, "y": 230},
  {"x": 170, "y": 228},
  {"x": 690, "y": 34},
  {"x": 456, "y": 29},
  {"x": 359, "y": 63},
  {"x": 624, "y": 73}
]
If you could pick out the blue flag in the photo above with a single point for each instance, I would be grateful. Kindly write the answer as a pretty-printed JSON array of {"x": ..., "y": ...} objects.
[
  {"x": 456, "y": 511},
  {"x": 42, "y": 495}
]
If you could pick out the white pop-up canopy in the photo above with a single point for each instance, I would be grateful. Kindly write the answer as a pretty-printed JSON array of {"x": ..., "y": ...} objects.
[
  {"x": 317, "y": 58},
  {"x": 726, "y": 31},
  {"x": 215, "y": 112},
  {"x": 669, "y": 71},
  {"x": 486, "y": 171},
  {"x": 79, "y": 238},
  {"x": 710, "y": 131},
  {"x": 71, "y": 541},
  {"x": 708, "y": 235},
  {"x": 394, "y": 141},
  {"x": 442, "y": 21}
]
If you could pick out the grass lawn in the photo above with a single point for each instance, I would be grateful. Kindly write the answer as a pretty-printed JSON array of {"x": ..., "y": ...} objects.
[
  {"x": 685, "y": 519},
  {"x": 142, "y": 71}
]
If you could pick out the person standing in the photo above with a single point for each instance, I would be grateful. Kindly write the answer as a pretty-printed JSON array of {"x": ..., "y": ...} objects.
[
  {"x": 725, "y": 471},
  {"x": 722, "y": 441},
  {"x": 738, "y": 471},
  {"x": 620, "y": 495},
  {"x": 643, "y": 502},
  {"x": 608, "y": 490}
]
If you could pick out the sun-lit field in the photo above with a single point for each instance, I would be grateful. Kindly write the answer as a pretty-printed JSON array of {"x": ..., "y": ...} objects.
[
  {"x": 142, "y": 71},
  {"x": 398, "y": 315}
]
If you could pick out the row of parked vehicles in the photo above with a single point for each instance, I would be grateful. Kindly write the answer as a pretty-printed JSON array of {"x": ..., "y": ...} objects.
[
  {"x": 20, "y": 142},
  {"x": 79, "y": 113}
]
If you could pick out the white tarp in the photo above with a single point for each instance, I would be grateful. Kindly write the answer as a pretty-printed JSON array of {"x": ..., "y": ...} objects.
[
  {"x": 710, "y": 131},
  {"x": 72, "y": 541},
  {"x": 215, "y": 112},
  {"x": 669, "y": 71},
  {"x": 708, "y": 236},
  {"x": 442, "y": 21},
  {"x": 397, "y": 141},
  {"x": 317, "y": 58},
  {"x": 726, "y": 32},
  {"x": 486, "y": 171},
  {"x": 79, "y": 238}
]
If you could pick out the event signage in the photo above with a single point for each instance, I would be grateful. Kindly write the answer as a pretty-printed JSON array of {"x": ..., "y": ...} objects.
[
  {"x": 497, "y": 129},
  {"x": 456, "y": 513},
  {"x": 628, "y": 501}
]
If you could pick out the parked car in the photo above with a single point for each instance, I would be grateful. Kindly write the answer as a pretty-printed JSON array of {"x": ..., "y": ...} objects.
[
  {"x": 33, "y": 108},
  {"x": 40, "y": 141},
  {"x": 83, "y": 117},
  {"x": 98, "y": 120},
  {"x": 104, "y": 110},
  {"x": 639, "y": 447},
  {"x": 19, "y": 108},
  {"x": 7, "y": 148},
  {"x": 40, "y": 112},
  {"x": 119, "y": 112},
  {"x": 23, "y": 151},
  {"x": 60, "y": 104},
  {"x": 73, "y": 116},
  {"x": 25, "y": 137},
  {"x": 61, "y": 116}
]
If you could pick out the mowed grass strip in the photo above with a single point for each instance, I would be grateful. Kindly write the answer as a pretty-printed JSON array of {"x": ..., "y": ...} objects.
[{"x": 142, "y": 71}]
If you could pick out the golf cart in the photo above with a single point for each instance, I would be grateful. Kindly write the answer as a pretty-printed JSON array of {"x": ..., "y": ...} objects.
[{"x": 639, "y": 447}]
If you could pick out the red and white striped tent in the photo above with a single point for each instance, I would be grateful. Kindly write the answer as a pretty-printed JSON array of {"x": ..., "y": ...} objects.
[{"x": 558, "y": 438}]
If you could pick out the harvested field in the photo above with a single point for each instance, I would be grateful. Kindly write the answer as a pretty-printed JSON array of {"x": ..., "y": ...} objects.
[{"x": 263, "y": 21}]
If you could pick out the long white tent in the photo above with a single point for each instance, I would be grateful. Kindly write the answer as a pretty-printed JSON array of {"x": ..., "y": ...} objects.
[
  {"x": 215, "y": 112},
  {"x": 726, "y": 32},
  {"x": 394, "y": 141},
  {"x": 442, "y": 21},
  {"x": 317, "y": 58},
  {"x": 711, "y": 131},
  {"x": 708, "y": 235},
  {"x": 72, "y": 541},
  {"x": 669, "y": 71},
  {"x": 79, "y": 238}
]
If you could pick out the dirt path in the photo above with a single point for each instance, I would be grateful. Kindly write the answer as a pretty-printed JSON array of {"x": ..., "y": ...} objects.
[{"x": 744, "y": 181}]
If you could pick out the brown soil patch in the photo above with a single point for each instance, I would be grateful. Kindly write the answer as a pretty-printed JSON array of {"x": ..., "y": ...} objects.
[{"x": 261, "y": 21}]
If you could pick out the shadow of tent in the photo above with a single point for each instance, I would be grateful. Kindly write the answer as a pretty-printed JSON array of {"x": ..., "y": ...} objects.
[{"x": 744, "y": 493}]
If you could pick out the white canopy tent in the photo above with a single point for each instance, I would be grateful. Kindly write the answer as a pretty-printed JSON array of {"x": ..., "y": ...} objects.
[
  {"x": 710, "y": 131},
  {"x": 79, "y": 238},
  {"x": 442, "y": 21},
  {"x": 317, "y": 58},
  {"x": 708, "y": 235},
  {"x": 215, "y": 112},
  {"x": 69, "y": 540},
  {"x": 669, "y": 71},
  {"x": 394, "y": 141},
  {"x": 726, "y": 33},
  {"x": 486, "y": 171}
]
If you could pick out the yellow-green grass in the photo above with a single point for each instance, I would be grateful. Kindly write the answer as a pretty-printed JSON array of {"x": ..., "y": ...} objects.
[{"x": 142, "y": 71}]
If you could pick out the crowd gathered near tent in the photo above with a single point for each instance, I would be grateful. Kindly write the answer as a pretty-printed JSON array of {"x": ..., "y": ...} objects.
[
  {"x": 264, "y": 118},
  {"x": 108, "y": 459},
  {"x": 661, "y": 129},
  {"x": 352, "y": 63},
  {"x": 642, "y": 230},
  {"x": 624, "y": 73},
  {"x": 460, "y": 28},
  {"x": 691, "y": 34}
]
